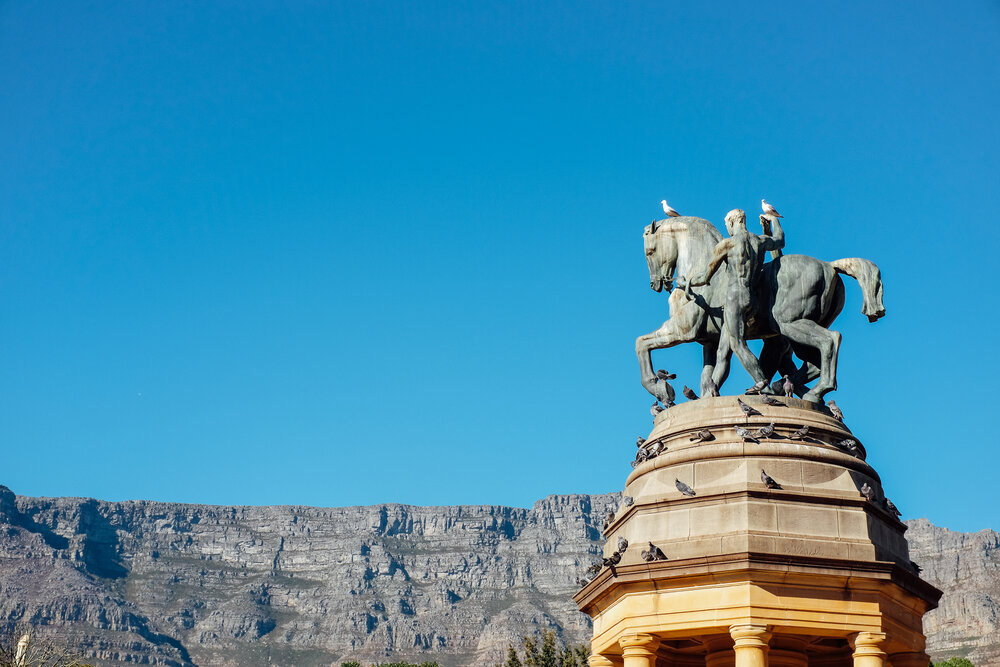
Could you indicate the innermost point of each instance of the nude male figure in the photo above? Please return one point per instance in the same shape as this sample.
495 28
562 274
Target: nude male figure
743 254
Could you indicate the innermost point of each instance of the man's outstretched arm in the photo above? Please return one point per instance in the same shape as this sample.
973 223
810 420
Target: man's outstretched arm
776 241
718 257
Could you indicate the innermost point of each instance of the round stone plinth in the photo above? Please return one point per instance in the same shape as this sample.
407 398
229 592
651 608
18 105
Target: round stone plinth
814 508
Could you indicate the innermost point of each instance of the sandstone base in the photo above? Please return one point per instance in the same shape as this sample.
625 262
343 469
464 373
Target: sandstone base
811 573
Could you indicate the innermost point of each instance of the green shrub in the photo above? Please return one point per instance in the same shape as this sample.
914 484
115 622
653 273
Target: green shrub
546 654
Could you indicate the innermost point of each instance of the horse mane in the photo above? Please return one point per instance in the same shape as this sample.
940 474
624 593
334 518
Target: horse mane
697 226
705 227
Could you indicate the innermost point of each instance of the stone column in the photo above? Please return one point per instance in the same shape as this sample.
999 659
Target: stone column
750 645
598 660
639 650
917 659
867 652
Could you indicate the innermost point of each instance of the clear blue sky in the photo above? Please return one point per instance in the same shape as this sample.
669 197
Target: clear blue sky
355 252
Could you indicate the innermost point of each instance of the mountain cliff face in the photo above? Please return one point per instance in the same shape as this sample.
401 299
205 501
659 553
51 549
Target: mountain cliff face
966 566
181 585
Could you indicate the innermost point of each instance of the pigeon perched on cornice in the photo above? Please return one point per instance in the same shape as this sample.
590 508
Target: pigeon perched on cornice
768 209
689 393
663 375
747 410
622 545
766 431
746 435
656 449
656 409
640 441
703 435
669 210
771 400
628 501
835 410
800 434
768 480
891 506
788 387
684 488
868 492
653 553
849 445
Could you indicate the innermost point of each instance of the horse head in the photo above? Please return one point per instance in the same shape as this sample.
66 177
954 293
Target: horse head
683 246
661 253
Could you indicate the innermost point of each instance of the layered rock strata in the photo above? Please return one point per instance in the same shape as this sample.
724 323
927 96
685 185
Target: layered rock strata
172 584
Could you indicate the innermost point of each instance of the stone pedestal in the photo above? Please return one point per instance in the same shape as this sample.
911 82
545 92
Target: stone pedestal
811 572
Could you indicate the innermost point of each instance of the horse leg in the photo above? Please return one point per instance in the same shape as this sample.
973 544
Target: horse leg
827 342
665 336
686 319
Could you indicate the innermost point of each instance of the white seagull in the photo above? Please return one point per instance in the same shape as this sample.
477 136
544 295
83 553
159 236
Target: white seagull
768 209
669 210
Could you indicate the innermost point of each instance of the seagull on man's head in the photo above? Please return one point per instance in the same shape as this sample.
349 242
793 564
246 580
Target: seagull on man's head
768 209
669 210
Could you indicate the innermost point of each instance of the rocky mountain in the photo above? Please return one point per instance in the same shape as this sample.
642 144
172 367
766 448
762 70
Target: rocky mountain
180 585
966 566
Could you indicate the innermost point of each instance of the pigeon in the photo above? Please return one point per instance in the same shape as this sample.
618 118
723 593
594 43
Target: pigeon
834 410
608 520
703 435
756 389
746 435
580 583
788 387
656 449
800 434
653 553
710 388
747 410
640 441
766 431
891 506
849 445
689 393
916 568
768 480
656 409
663 375
640 456
868 492
622 545
684 488
669 210
771 400
628 501
768 209
594 569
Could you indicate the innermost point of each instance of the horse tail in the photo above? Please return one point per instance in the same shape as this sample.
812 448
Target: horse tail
870 280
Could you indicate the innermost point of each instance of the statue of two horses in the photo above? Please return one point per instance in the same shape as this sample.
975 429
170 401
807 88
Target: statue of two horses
798 299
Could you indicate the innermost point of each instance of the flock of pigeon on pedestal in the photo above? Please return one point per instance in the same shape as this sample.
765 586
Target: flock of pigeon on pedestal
645 453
